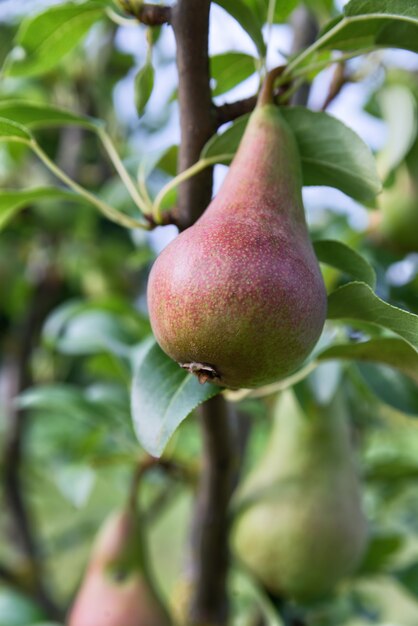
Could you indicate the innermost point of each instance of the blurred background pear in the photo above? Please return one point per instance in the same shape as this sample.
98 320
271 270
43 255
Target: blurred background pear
115 590
300 526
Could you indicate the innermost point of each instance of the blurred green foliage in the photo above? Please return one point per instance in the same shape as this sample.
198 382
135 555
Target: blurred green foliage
73 324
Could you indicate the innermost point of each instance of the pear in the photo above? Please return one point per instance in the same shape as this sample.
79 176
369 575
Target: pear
238 298
115 591
399 211
300 528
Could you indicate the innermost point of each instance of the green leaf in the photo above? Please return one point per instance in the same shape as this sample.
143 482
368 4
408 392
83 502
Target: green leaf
331 153
368 24
342 257
282 9
247 19
35 115
391 468
408 577
357 301
16 609
226 143
163 395
80 328
322 8
399 110
75 482
381 550
168 161
230 69
387 350
391 387
54 397
11 131
92 332
144 84
44 39
12 201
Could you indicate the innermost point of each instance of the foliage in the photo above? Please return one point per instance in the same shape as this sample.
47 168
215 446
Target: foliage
81 189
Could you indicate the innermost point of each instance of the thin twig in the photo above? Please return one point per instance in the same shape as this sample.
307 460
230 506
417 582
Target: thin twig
146 13
339 79
229 111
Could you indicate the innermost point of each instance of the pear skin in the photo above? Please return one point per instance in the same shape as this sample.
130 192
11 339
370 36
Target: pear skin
238 298
300 528
114 591
399 211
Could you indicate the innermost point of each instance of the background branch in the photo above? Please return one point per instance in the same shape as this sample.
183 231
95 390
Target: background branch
146 13
43 299
305 31
339 79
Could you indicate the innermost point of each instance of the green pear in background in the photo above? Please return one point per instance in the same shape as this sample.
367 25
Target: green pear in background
300 528
114 591
399 211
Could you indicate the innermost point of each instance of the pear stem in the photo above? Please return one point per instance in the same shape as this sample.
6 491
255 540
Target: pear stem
266 93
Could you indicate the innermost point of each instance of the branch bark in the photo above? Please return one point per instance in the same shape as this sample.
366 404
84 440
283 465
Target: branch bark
148 14
197 115
13 460
229 111
210 528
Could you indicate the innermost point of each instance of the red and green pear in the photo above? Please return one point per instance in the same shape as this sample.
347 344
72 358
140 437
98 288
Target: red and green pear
115 591
238 298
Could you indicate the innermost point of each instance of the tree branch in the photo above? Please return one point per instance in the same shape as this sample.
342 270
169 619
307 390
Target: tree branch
197 118
211 523
148 14
13 460
339 79
10 577
229 111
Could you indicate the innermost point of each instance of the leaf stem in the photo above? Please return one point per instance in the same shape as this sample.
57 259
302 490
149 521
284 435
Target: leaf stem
325 63
142 184
111 213
319 43
122 171
185 175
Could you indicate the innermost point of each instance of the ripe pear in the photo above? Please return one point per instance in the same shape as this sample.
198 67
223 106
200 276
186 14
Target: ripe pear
238 298
399 211
300 528
114 591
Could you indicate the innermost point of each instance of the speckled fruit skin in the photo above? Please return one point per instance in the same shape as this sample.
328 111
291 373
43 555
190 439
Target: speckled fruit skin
114 591
303 529
241 289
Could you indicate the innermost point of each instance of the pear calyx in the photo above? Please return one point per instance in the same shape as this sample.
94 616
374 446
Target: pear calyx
203 372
